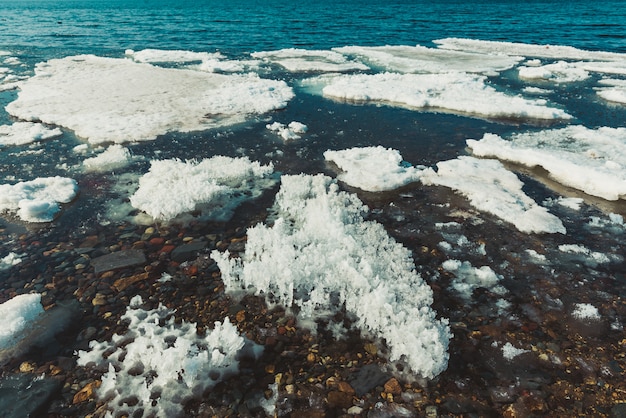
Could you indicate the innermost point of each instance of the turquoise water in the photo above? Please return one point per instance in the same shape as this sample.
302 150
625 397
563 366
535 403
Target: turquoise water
105 27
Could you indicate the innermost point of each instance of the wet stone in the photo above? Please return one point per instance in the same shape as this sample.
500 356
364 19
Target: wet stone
26 395
117 260
367 378
187 251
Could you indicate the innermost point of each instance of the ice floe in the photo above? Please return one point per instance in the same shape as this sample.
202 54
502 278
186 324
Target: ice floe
591 160
420 59
37 200
170 56
21 133
118 100
492 188
453 92
163 364
468 278
321 255
558 72
112 158
214 186
527 50
298 60
373 169
612 90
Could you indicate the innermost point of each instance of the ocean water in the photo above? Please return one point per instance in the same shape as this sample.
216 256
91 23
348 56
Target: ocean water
450 230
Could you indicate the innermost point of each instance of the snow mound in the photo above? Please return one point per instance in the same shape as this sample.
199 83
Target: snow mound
216 185
321 255
591 160
37 200
492 188
373 168
118 100
158 365
114 157
21 133
454 92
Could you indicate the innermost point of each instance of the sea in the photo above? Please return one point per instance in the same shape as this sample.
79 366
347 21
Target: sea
545 276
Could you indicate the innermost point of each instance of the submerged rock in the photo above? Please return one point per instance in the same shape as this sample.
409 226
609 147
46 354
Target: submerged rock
26 395
117 260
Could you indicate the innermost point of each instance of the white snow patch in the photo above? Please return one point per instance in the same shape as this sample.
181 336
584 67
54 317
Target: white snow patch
37 200
592 257
21 133
113 158
419 59
320 254
492 188
118 100
373 168
163 364
216 185
298 60
509 352
591 160
584 311
454 92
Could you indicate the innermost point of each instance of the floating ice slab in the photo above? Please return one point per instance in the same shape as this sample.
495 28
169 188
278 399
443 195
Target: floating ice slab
288 132
118 100
558 72
373 168
453 92
174 187
21 133
112 158
527 50
468 278
37 200
613 90
419 59
492 188
321 255
163 364
302 60
170 56
591 160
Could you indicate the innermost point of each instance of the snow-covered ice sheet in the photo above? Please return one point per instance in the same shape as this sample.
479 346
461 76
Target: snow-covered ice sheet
492 188
558 72
420 59
298 60
37 200
217 185
453 92
373 169
21 133
591 160
320 254
118 100
170 56
613 90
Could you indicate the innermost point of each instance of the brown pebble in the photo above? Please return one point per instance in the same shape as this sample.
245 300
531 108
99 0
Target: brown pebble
123 283
27 367
392 386
86 392
337 399
99 300
345 387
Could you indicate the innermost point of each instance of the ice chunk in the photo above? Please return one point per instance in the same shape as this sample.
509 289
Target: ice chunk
162 364
453 92
591 160
17 315
558 72
419 59
21 133
613 90
113 158
298 60
173 187
118 100
37 200
492 188
288 132
509 352
468 278
9 260
373 168
585 311
591 258
170 56
321 255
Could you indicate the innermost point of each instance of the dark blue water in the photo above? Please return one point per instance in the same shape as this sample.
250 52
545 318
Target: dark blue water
108 27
